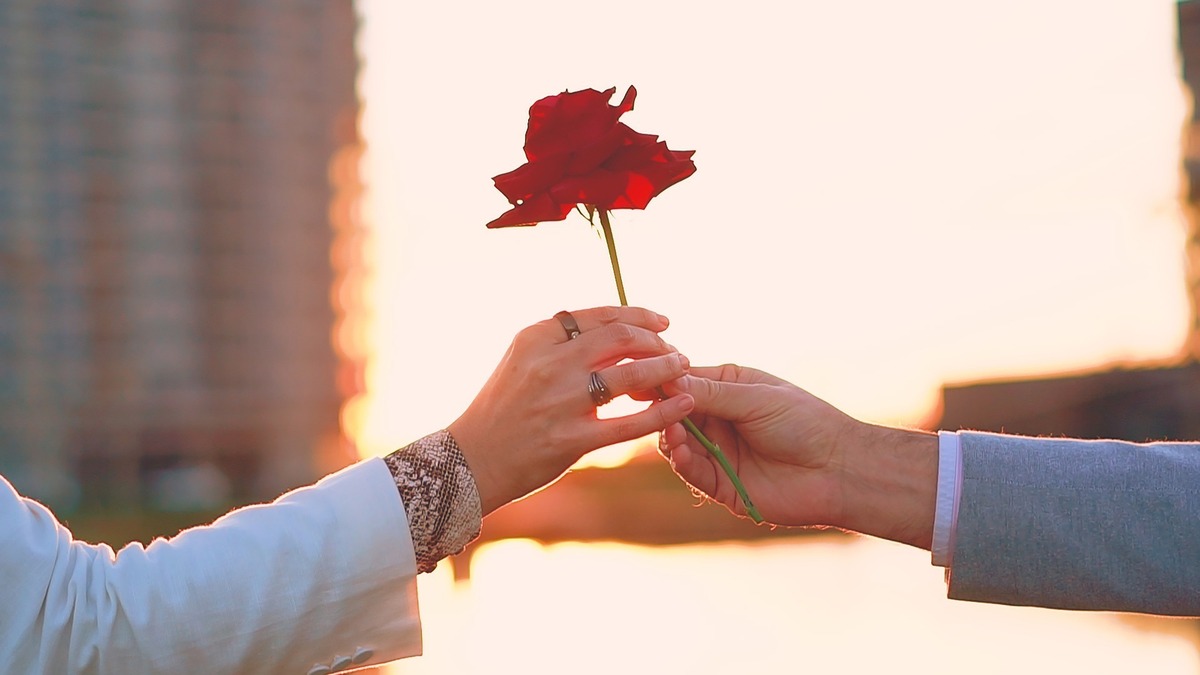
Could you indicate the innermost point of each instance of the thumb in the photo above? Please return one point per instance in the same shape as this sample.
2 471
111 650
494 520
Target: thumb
727 400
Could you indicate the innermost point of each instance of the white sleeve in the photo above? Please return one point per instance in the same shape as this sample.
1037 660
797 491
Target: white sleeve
949 489
325 576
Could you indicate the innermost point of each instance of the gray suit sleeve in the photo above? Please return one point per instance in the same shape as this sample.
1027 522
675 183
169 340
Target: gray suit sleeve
1070 524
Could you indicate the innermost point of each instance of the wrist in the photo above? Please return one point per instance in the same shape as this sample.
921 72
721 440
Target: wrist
491 489
889 485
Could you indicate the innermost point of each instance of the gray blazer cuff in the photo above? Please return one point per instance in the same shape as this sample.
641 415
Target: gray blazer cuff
1102 525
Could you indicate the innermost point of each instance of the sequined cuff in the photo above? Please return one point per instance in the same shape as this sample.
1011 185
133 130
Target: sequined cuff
440 497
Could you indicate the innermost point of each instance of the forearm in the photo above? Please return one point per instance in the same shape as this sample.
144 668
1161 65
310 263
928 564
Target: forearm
272 588
889 483
284 585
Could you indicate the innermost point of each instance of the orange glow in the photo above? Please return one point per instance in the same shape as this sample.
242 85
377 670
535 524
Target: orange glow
348 294
353 415
824 606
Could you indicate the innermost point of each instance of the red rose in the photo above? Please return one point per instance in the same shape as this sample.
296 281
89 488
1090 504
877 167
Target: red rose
580 153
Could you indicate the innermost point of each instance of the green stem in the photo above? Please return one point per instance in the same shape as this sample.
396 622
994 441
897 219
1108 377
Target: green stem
612 255
715 450
712 448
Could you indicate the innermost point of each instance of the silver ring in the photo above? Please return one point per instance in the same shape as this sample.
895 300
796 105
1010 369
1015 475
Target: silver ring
568 323
598 390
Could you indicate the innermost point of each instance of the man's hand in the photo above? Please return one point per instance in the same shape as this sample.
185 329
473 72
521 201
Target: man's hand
803 461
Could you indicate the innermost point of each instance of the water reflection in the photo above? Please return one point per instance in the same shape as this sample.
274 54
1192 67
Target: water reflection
822 605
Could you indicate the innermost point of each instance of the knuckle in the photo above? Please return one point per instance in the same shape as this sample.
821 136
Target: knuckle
622 335
609 314
525 338
541 370
628 376
674 366
544 371
627 429
559 439
730 372
644 317
659 416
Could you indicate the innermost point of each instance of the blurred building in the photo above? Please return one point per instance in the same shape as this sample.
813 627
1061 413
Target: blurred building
1133 404
1145 403
179 246
1188 13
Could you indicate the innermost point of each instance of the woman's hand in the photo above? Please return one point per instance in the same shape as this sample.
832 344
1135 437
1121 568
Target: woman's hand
535 417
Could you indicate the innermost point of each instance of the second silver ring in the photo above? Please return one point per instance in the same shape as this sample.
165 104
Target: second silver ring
598 390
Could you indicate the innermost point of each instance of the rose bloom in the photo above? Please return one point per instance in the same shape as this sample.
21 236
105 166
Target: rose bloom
579 152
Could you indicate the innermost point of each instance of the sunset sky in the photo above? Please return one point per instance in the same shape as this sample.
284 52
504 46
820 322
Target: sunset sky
889 196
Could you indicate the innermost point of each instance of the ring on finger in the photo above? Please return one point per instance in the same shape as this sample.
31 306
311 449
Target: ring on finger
598 390
569 324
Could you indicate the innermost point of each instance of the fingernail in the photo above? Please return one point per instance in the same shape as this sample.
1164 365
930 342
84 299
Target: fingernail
684 362
663 319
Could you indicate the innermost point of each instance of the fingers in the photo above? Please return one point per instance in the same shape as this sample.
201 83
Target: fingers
698 472
596 317
644 375
559 327
614 342
704 475
731 372
727 400
672 437
658 416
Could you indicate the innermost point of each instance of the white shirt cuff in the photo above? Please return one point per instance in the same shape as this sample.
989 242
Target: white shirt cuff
949 488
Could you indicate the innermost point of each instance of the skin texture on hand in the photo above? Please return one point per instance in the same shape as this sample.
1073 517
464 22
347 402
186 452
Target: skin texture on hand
534 417
803 461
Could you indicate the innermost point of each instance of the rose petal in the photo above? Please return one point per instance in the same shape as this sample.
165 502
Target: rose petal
660 177
540 209
600 188
638 150
530 178
569 121
638 192
580 153
586 160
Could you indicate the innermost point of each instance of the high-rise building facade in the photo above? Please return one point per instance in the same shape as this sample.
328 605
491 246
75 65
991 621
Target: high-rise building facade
178 187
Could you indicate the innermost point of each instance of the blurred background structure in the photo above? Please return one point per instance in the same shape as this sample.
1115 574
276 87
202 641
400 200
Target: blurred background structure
1189 62
173 178
1137 402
